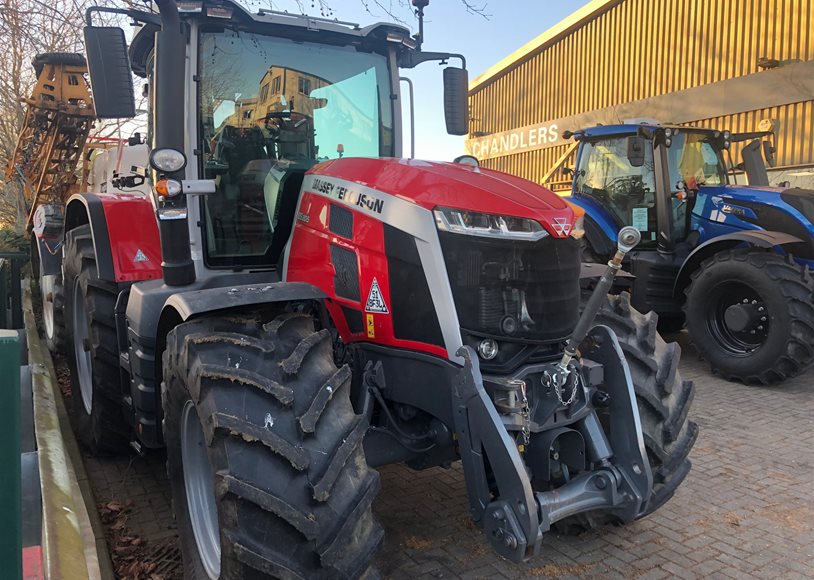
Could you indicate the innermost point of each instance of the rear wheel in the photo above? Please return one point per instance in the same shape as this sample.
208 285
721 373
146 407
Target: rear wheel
663 399
750 314
92 349
52 293
264 452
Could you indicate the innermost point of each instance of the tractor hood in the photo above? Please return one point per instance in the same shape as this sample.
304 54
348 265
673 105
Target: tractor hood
431 184
790 211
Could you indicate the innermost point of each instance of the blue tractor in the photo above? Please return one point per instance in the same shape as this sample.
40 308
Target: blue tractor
731 261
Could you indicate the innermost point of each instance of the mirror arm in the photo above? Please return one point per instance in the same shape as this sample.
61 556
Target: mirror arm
137 15
415 58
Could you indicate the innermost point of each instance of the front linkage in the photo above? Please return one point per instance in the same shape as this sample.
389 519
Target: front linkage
514 515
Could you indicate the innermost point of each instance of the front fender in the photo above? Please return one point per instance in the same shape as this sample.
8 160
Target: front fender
124 231
758 238
188 304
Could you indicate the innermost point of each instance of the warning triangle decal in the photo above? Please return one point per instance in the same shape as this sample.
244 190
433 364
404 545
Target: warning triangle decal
375 300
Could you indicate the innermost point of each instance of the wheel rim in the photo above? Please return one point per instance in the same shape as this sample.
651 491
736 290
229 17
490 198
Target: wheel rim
200 490
47 284
737 317
81 346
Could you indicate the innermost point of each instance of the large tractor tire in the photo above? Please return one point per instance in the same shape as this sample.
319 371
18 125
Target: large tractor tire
264 452
750 314
663 399
52 296
92 349
52 293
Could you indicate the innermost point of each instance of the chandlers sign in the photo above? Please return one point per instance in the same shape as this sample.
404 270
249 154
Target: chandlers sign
526 138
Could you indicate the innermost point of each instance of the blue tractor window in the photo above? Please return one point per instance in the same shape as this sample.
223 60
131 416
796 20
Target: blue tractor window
628 192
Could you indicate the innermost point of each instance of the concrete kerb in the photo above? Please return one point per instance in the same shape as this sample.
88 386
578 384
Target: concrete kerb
73 538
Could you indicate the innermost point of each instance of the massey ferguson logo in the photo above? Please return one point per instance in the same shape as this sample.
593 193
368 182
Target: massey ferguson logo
348 195
561 226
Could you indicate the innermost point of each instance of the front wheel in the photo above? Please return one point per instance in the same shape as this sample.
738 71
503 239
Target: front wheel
264 452
663 399
750 314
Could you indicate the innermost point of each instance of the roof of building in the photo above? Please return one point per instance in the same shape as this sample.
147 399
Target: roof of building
550 36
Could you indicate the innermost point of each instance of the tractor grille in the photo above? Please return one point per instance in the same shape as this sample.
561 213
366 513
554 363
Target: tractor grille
514 289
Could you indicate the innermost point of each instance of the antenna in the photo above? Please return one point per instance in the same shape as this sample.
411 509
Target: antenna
419 6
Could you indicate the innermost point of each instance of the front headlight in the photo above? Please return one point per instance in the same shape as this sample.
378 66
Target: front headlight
488 225
167 160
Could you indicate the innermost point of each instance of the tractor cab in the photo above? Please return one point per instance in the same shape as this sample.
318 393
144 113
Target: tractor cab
648 176
252 101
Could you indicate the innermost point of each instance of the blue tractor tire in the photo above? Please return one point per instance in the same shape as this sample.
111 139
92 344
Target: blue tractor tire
750 314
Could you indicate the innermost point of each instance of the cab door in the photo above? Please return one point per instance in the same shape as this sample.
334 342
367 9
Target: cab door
617 174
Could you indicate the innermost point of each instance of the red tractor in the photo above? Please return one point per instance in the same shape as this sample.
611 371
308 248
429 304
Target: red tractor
393 310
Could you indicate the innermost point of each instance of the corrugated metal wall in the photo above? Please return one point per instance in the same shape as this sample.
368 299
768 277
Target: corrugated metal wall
635 49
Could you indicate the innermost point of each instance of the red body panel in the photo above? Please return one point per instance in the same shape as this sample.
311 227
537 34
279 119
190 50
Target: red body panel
310 261
417 187
134 241
432 184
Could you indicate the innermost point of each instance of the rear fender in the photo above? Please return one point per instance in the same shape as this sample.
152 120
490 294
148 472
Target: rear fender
757 238
124 231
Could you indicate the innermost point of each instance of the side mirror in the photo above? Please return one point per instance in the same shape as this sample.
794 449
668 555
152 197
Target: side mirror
456 106
635 151
566 171
109 66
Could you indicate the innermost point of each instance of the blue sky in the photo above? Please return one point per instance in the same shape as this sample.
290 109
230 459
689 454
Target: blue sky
448 27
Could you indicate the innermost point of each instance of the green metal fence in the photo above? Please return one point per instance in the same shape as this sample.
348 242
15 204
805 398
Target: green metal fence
11 318
11 295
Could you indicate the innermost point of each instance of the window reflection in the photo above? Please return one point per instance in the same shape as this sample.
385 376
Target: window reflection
271 109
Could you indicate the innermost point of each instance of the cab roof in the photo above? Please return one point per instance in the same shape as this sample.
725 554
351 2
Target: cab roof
625 129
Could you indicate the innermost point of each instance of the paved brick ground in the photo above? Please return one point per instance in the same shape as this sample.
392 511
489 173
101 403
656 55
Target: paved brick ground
745 511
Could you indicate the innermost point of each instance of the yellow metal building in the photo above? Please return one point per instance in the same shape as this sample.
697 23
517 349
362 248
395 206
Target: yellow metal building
742 65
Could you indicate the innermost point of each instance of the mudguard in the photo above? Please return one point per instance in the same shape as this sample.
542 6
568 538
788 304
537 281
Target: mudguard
124 231
759 238
188 304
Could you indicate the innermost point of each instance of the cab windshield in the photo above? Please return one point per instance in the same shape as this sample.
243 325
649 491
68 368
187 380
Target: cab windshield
270 109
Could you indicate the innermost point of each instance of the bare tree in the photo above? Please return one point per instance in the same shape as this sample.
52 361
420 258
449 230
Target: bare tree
28 28
400 11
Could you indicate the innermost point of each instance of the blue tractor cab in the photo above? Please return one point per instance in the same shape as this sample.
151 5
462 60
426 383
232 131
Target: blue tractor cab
730 260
